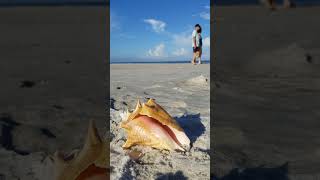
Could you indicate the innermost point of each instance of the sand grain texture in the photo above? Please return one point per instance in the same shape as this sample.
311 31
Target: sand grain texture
266 103
183 91
52 84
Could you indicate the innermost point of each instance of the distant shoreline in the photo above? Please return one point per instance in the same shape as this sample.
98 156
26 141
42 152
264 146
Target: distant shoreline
23 4
158 62
298 3
301 3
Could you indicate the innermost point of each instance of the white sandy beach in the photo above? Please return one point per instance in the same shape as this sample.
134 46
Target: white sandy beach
59 52
183 90
267 96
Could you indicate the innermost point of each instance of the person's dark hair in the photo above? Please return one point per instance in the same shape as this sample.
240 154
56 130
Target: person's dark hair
198 25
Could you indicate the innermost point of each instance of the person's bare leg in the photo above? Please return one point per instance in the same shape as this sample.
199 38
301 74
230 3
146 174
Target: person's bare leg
199 55
193 61
287 4
199 62
269 4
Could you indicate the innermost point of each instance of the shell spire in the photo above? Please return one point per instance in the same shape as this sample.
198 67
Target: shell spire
90 161
138 106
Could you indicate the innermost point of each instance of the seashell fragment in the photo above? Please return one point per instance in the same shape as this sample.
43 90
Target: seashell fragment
90 163
150 125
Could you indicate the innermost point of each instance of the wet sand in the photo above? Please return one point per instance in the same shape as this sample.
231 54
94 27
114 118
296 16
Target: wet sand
267 98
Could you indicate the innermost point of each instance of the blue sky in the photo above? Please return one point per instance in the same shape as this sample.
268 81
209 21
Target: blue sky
157 29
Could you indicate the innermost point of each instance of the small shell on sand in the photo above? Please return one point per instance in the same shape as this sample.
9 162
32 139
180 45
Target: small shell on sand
135 155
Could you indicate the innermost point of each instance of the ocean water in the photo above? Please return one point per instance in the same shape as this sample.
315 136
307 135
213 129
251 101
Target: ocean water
254 2
104 2
52 2
155 62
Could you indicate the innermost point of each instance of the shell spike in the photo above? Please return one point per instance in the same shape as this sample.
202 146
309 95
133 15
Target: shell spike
125 115
150 101
128 144
93 137
138 106
58 159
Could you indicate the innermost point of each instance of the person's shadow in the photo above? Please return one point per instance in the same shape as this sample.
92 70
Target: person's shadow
260 173
192 125
170 176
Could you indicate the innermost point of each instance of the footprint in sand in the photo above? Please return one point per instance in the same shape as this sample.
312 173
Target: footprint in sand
178 104
154 86
198 81
27 84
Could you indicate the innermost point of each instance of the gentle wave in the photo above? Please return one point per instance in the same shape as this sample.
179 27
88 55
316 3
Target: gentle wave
157 62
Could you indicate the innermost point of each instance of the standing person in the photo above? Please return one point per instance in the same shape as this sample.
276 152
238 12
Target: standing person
199 37
272 4
196 44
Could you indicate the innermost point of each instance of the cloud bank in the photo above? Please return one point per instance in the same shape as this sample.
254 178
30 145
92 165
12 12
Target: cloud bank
157 25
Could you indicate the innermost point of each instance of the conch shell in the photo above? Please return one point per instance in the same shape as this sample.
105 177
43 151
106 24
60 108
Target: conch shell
150 125
89 164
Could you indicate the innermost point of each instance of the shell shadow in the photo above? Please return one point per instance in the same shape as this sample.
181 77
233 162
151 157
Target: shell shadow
127 174
170 176
192 125
261 173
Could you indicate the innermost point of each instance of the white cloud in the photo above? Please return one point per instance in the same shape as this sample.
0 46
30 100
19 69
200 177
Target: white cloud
157 51
206 42
205 15
206 48
114 22
182 39
157 26
180 52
